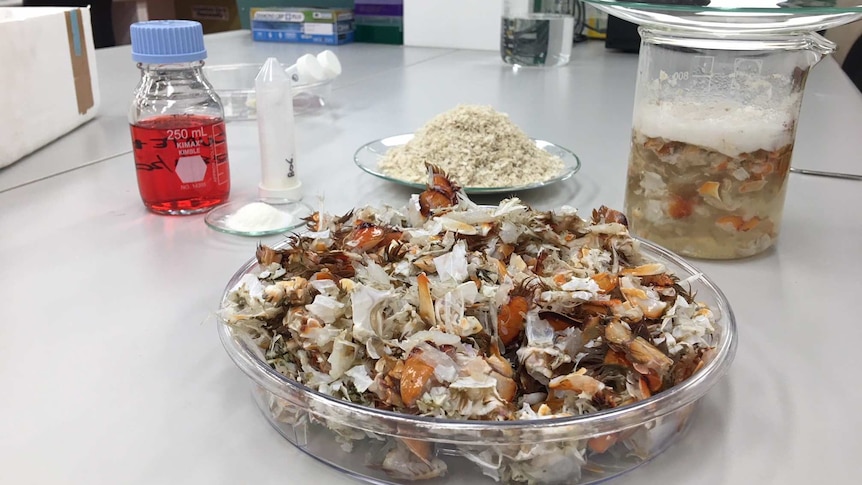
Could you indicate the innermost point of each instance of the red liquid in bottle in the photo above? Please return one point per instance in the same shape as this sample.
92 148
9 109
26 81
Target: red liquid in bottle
181 162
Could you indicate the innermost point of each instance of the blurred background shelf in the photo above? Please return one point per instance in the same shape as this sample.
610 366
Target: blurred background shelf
426 23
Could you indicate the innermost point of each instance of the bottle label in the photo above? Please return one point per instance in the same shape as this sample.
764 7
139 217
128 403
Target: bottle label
181 158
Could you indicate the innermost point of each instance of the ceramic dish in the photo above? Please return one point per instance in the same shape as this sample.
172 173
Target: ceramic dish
369 155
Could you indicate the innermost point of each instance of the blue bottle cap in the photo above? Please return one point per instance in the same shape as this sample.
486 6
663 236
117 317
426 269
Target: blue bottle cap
167 41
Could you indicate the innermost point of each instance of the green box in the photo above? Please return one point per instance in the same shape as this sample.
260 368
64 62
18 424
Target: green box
384 32
245 6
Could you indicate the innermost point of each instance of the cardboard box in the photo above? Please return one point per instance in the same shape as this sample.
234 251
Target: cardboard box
303 25
214 15
49 79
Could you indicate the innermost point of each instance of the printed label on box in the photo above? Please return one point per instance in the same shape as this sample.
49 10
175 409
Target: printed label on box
318 29
290 36
321 15
300 15
272 16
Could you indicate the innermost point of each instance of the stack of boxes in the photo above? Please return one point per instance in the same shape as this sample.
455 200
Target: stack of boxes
328 26
329 22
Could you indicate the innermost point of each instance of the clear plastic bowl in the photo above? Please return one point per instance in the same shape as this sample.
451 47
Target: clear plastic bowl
234 84
317 424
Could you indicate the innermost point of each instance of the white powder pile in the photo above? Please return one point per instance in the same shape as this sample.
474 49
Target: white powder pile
257 217
477 147
729 128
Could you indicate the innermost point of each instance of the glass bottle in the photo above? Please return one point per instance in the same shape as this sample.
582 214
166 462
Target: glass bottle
177 121
713 131
537 32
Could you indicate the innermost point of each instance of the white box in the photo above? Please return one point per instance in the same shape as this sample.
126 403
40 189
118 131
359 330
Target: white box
48 79
459 24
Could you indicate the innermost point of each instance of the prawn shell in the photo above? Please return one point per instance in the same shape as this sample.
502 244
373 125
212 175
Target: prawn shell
426 304
606 281
642 352
605 214
558 321
734 223
415 378
601 444
440 191
364 237
510 320
499 364
616 332
751 186
649 269
266 255
654 381
679 207
710 189
576 382
507 388
426 264
457 227
614 357
323 274
432 199
421 449
644 388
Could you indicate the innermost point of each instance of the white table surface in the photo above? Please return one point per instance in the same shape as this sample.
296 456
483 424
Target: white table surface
111 370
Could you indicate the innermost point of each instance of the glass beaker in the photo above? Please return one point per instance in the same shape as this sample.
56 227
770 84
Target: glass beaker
712 136
537 32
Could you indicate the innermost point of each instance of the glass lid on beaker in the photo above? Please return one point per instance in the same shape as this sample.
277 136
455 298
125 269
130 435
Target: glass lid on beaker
735 16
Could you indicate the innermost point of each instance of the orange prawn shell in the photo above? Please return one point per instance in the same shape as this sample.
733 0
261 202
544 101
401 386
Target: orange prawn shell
415 378
510 319
440 191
